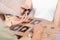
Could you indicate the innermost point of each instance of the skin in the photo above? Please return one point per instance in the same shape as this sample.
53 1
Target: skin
13 20
37 32
57 14
28 5
37 35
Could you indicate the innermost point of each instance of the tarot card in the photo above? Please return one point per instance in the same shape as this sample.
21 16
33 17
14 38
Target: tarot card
35 22
19 36
27 21
24 29
16 27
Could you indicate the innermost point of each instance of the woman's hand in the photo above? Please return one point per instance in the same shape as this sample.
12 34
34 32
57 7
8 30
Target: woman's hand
38 28
13 20
16 20
37 32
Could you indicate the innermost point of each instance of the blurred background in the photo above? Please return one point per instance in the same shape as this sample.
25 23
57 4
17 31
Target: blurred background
14 5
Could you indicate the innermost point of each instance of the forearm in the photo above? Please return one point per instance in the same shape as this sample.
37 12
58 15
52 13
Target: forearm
57 14
57 20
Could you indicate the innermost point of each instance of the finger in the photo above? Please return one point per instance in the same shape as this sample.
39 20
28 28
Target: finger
22 19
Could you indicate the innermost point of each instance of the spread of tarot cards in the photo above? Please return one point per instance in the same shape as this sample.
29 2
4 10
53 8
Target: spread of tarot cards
25 28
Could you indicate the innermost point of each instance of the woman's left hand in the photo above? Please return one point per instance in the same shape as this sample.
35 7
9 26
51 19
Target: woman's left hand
16 20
